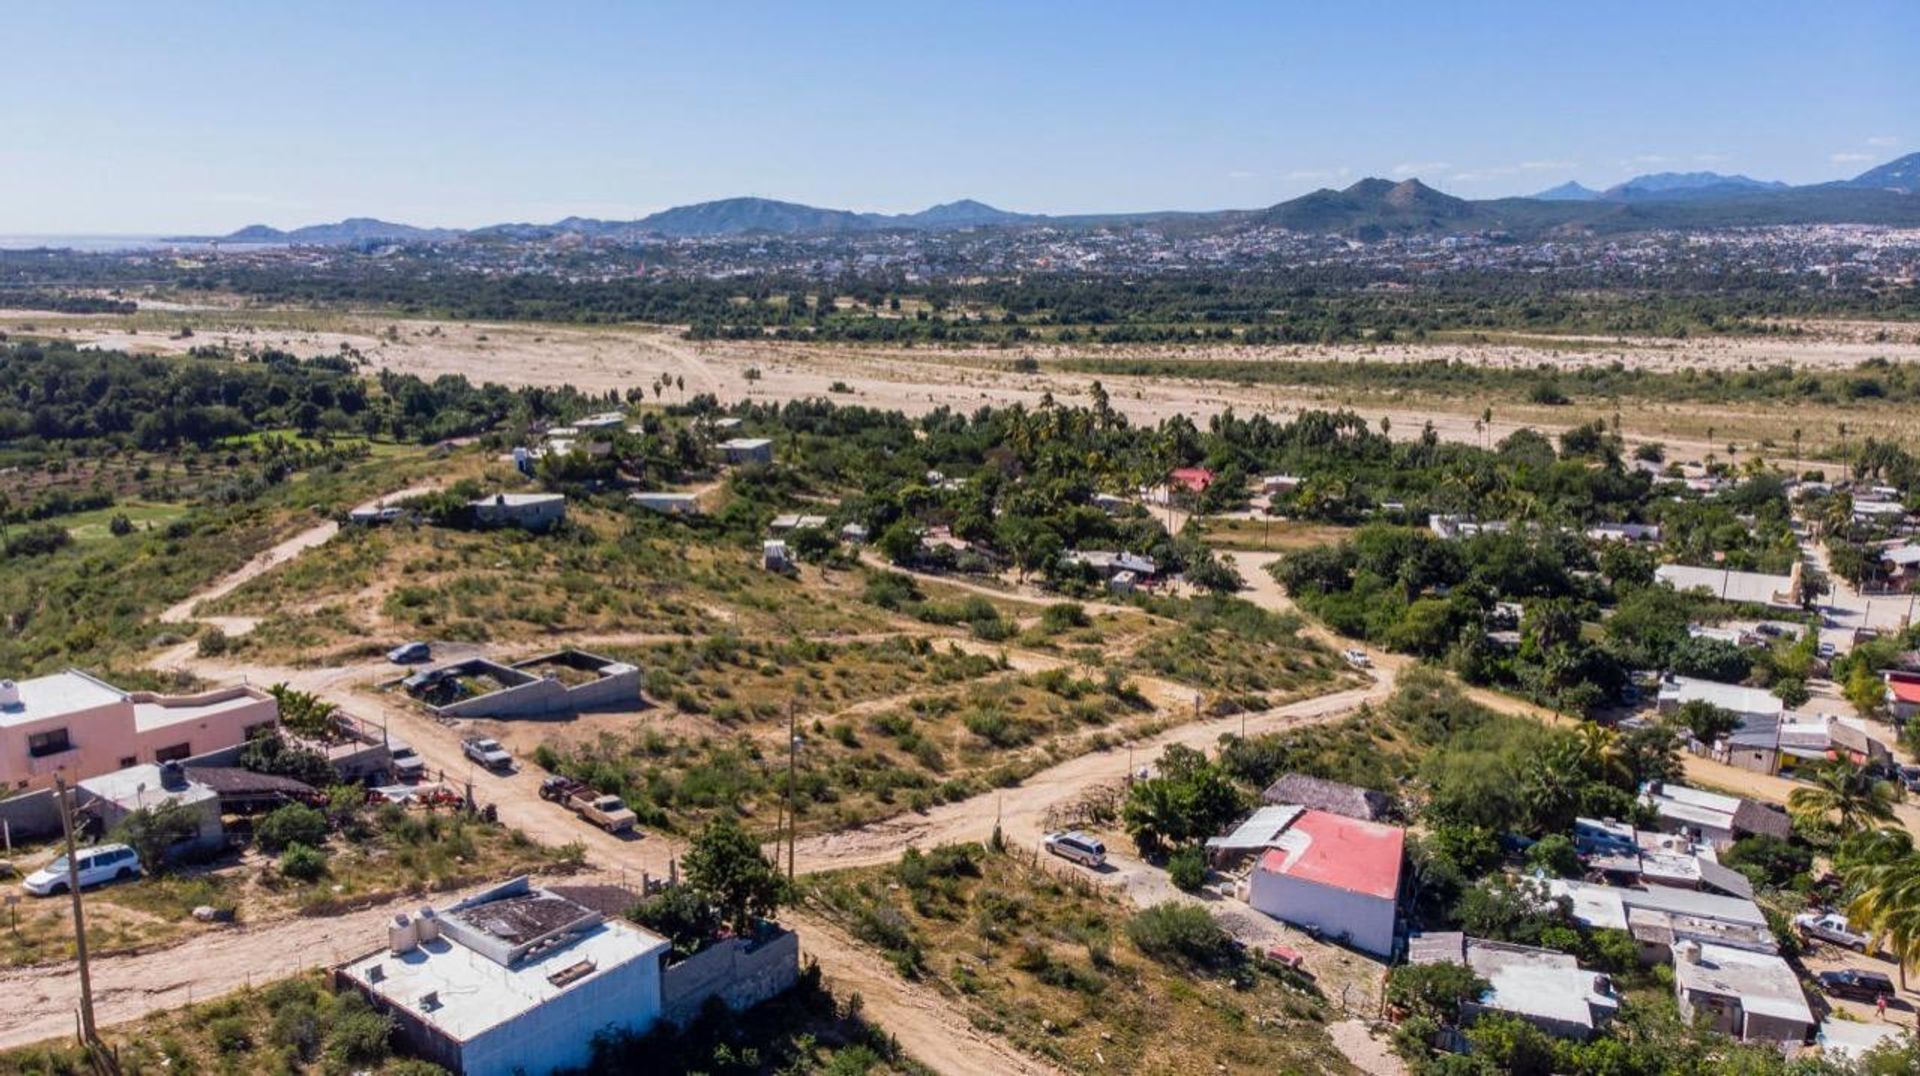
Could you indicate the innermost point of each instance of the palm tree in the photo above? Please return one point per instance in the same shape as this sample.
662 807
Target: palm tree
1844 794
1884 876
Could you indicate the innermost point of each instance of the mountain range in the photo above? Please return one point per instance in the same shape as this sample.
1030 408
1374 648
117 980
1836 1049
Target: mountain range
1370 208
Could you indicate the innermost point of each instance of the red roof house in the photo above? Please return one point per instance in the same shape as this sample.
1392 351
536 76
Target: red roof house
1191 479
1903 693
1339 876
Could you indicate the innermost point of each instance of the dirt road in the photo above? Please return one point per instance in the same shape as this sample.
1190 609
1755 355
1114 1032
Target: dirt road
312 538
41 999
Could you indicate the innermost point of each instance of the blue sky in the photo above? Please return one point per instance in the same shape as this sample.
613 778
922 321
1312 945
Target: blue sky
142 118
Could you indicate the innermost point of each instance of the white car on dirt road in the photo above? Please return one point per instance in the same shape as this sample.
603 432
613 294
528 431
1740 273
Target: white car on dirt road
1082 848
104 863
1357 658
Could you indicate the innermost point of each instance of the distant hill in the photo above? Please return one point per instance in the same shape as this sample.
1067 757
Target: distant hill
1570 191
1898 175
1677 185
1371 208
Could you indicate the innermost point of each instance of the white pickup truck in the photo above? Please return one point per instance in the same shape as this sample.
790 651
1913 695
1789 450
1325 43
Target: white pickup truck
1831 927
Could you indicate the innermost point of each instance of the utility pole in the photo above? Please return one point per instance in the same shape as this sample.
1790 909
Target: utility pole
793 757
87 1031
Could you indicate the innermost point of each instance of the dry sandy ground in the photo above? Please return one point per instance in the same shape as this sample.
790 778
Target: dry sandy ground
917 380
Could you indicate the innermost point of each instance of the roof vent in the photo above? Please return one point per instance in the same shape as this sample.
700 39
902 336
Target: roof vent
402 935
9 695
571 974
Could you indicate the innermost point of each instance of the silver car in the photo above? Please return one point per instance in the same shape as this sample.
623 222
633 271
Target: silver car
1082 848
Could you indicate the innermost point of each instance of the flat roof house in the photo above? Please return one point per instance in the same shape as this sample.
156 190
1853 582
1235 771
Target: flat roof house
515 979
1750 996
1548 989
743 450
673 504
1718 819
1336 875
80 725
111 797
1752 588
528 511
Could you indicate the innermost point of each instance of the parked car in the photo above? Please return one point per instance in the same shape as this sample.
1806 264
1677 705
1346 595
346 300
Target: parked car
406 763
1910 777
1079 847
1357 658
410 654
1827 651
1868 986
1830 927
99 864
487 752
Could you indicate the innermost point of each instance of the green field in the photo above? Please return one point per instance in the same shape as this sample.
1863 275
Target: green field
93 526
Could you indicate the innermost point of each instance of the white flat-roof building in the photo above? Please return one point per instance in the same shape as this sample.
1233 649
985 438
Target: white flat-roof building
1546 988
514 980
1747 702
528 511
740 450
673 504
1607 907
1752 588
1750 996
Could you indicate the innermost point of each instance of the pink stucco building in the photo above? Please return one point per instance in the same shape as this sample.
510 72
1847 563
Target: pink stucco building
79 725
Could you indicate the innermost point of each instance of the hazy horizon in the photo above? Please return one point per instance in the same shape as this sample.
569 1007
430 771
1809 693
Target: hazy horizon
207 119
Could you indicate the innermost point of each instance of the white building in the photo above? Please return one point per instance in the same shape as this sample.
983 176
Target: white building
1337 875
513 980
673 504
742 450
1750 996
1546 988
1748 703
1751 588
528 511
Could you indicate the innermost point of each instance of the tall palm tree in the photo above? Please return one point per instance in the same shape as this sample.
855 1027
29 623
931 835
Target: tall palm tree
1844 794
1886 906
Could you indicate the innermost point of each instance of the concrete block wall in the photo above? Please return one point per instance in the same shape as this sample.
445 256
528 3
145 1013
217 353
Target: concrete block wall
739 974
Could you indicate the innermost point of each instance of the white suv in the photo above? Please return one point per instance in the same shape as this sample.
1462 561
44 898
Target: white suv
1082 848
102 863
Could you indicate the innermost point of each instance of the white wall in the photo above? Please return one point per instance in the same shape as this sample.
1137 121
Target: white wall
559 1034
1366 921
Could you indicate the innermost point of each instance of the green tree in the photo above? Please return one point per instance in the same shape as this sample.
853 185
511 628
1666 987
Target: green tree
1845 796
1189 800
1435 991
726 863
152 831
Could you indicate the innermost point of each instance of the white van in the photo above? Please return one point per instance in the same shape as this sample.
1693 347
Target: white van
1082 848
102 863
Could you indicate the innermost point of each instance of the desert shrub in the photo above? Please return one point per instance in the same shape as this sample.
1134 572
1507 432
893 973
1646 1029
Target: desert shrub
231 1034
1187 868
303 863
295 823
1181 934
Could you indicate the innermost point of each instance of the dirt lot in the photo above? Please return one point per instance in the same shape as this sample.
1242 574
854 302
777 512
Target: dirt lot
916 380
